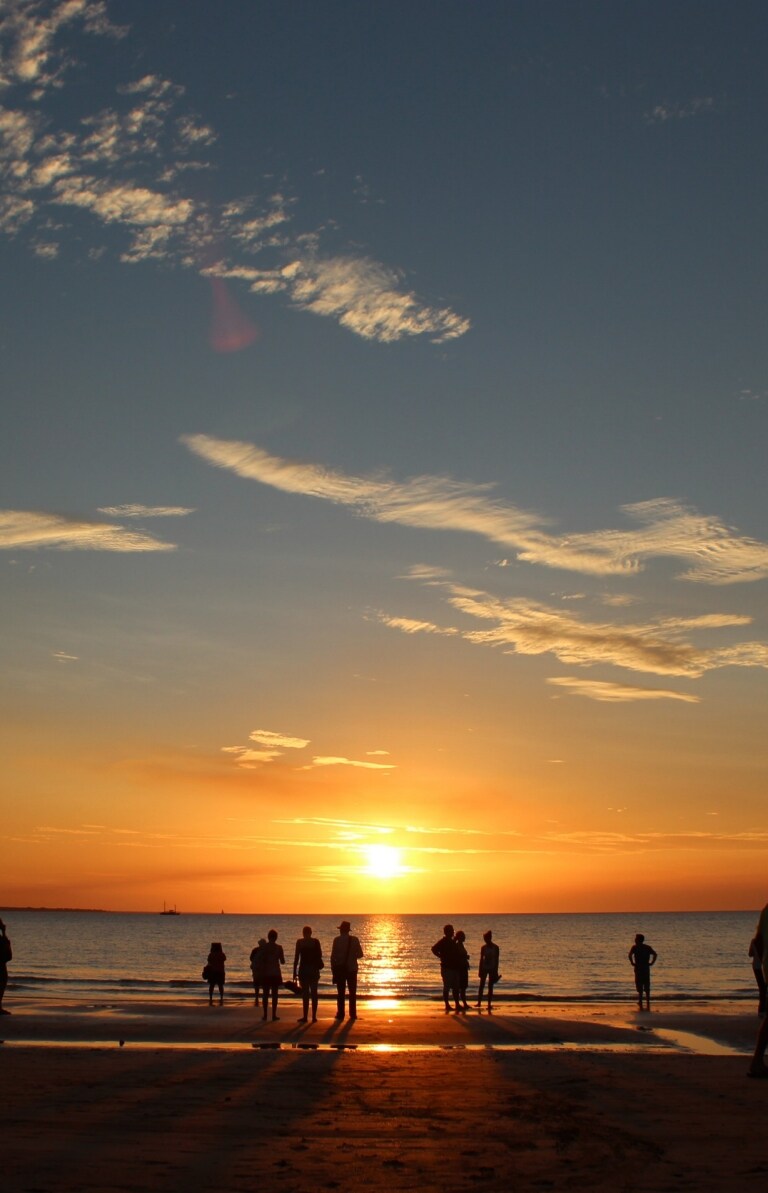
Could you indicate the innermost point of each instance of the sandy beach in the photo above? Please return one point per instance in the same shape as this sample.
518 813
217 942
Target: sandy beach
404 1098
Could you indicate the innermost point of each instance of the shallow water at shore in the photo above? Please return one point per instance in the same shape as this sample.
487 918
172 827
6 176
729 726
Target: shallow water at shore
104 956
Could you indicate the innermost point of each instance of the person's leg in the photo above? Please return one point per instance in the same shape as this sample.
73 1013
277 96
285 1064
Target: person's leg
761 987
265 999
340 984
304 1001
758 1066
352 984
221 992
210 993
313 992
275 989
446 992
3 984
480 991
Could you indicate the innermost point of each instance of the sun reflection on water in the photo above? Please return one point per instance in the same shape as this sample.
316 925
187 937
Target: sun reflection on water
385 961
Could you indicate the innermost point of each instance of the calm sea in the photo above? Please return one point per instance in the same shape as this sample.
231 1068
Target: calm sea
104 956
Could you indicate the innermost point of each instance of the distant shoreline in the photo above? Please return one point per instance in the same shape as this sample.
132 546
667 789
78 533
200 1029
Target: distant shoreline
358 915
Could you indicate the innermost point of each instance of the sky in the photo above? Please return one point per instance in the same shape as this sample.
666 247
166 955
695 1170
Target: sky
382 473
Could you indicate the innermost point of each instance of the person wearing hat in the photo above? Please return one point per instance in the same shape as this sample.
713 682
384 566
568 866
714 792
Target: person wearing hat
346 951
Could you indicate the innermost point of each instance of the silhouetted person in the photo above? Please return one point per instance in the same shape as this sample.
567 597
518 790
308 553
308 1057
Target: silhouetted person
463 956
6 955
307 963
642 957
488 969
272 974
756 955
346 951
257 969
216 972
758 1067
447 950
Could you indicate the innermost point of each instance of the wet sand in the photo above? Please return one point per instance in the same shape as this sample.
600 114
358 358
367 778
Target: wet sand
526 1099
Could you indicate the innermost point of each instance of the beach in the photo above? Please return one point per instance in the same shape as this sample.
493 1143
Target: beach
115 1097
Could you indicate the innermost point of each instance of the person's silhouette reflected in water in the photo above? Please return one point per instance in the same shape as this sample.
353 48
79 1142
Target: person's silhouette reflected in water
6 955
216 972
642 957
272 974
346 951
307 963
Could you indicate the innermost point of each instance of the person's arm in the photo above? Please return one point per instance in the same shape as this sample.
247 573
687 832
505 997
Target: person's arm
296 959
358 949
652 957
631 955
436 947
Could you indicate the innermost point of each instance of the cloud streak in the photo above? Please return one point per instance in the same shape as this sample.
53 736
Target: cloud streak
614 693
125 165
713 553
661 647
24 530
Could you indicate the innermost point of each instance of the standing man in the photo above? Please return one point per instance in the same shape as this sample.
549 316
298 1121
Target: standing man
488 969
641 958
447 950
346 951
6 954
758 1067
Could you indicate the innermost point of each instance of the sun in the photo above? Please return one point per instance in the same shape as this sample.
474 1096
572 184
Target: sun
383 861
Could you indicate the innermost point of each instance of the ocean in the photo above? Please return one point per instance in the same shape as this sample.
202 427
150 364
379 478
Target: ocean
104 957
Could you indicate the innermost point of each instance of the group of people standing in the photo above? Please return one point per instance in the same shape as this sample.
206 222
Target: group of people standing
454 968
268 957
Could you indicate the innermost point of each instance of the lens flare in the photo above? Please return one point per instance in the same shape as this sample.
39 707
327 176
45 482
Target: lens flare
231 329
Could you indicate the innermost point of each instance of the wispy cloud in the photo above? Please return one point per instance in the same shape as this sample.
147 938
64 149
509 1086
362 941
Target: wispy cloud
268 737
145 511
125 165
331 760
661 647
248 758
28 33
28 530
614 693
714 553
663 112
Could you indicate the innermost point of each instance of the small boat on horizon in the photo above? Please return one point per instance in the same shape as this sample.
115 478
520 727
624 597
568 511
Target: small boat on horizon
169 910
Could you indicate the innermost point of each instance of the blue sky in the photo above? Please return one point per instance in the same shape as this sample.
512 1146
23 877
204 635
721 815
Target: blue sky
384 431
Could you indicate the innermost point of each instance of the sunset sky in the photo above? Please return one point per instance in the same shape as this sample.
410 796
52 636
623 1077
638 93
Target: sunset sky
382 494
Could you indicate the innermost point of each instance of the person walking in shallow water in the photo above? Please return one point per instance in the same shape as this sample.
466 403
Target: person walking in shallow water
641 958
488 969
6 955
215 972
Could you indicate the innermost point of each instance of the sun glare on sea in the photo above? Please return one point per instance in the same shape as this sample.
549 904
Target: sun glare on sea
383 861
